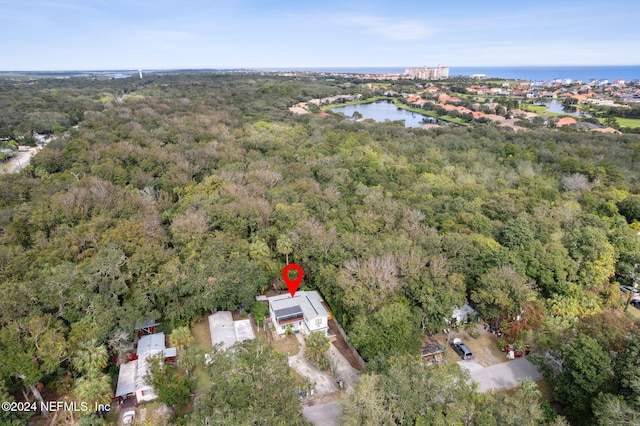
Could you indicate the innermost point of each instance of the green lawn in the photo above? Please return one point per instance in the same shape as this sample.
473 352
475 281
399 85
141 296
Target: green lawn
542 109
628 122
201 340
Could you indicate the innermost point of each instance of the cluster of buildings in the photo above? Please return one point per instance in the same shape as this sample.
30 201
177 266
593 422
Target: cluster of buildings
133 386
306 312
425 73
488 111
594 92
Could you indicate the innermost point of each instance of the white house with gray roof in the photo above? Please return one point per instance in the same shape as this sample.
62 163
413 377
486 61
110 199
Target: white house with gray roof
303 312
132 378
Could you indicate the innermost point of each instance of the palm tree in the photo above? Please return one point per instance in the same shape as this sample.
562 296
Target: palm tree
284 245
259 250
317 344
180 338
94 390
90 357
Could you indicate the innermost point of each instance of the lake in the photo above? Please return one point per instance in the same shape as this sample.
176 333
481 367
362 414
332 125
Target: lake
382 111
556 106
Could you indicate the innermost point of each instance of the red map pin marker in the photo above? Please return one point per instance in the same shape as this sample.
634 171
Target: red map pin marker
292 284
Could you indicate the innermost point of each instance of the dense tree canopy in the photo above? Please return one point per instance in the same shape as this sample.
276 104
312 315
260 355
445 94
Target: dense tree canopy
182 194
250 385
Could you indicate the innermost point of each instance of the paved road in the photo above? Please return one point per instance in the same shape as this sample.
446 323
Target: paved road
501 376
20 160
322 415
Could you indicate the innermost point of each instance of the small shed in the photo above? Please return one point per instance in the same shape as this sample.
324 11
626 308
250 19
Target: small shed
462 315
146 327
432 352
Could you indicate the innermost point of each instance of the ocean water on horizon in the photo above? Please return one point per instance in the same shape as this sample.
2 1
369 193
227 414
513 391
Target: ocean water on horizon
531 73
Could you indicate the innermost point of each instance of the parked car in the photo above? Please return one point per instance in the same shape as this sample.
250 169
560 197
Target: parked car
461 349
635 303
128 417
628 288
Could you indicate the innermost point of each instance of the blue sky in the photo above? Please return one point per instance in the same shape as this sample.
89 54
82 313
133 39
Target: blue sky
163 34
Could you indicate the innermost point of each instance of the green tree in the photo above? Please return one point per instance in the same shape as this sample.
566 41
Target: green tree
181 338
611 121
34 354
8 418
259 310
317 345
284 245
596 257
365 406
628 372
522 407
630 208
94 389
436 290
614 410
172 385
249 386
393 330
501 293
260 252
90 358
587 369
411 392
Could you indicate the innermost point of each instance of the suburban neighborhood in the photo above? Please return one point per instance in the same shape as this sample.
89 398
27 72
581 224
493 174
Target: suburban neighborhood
517 105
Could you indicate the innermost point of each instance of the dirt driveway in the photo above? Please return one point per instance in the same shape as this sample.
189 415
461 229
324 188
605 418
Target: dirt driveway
324 382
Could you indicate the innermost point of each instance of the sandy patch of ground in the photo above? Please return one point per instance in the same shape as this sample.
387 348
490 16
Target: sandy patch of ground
20 160
324 383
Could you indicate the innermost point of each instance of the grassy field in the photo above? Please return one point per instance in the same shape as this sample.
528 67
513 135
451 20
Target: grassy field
542 109
628 122
201 340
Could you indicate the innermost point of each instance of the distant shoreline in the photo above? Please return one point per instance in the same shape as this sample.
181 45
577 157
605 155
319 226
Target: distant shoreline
528 73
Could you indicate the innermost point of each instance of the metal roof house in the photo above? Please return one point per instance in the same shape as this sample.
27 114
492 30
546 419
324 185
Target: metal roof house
461 315
303 312
132 376
226 331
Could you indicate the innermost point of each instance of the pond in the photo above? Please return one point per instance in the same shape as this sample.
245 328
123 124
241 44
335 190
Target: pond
382 111
556 106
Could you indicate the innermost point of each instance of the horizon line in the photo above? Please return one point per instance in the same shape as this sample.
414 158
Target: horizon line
299 67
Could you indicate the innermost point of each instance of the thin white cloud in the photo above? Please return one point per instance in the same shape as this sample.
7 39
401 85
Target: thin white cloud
389 28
